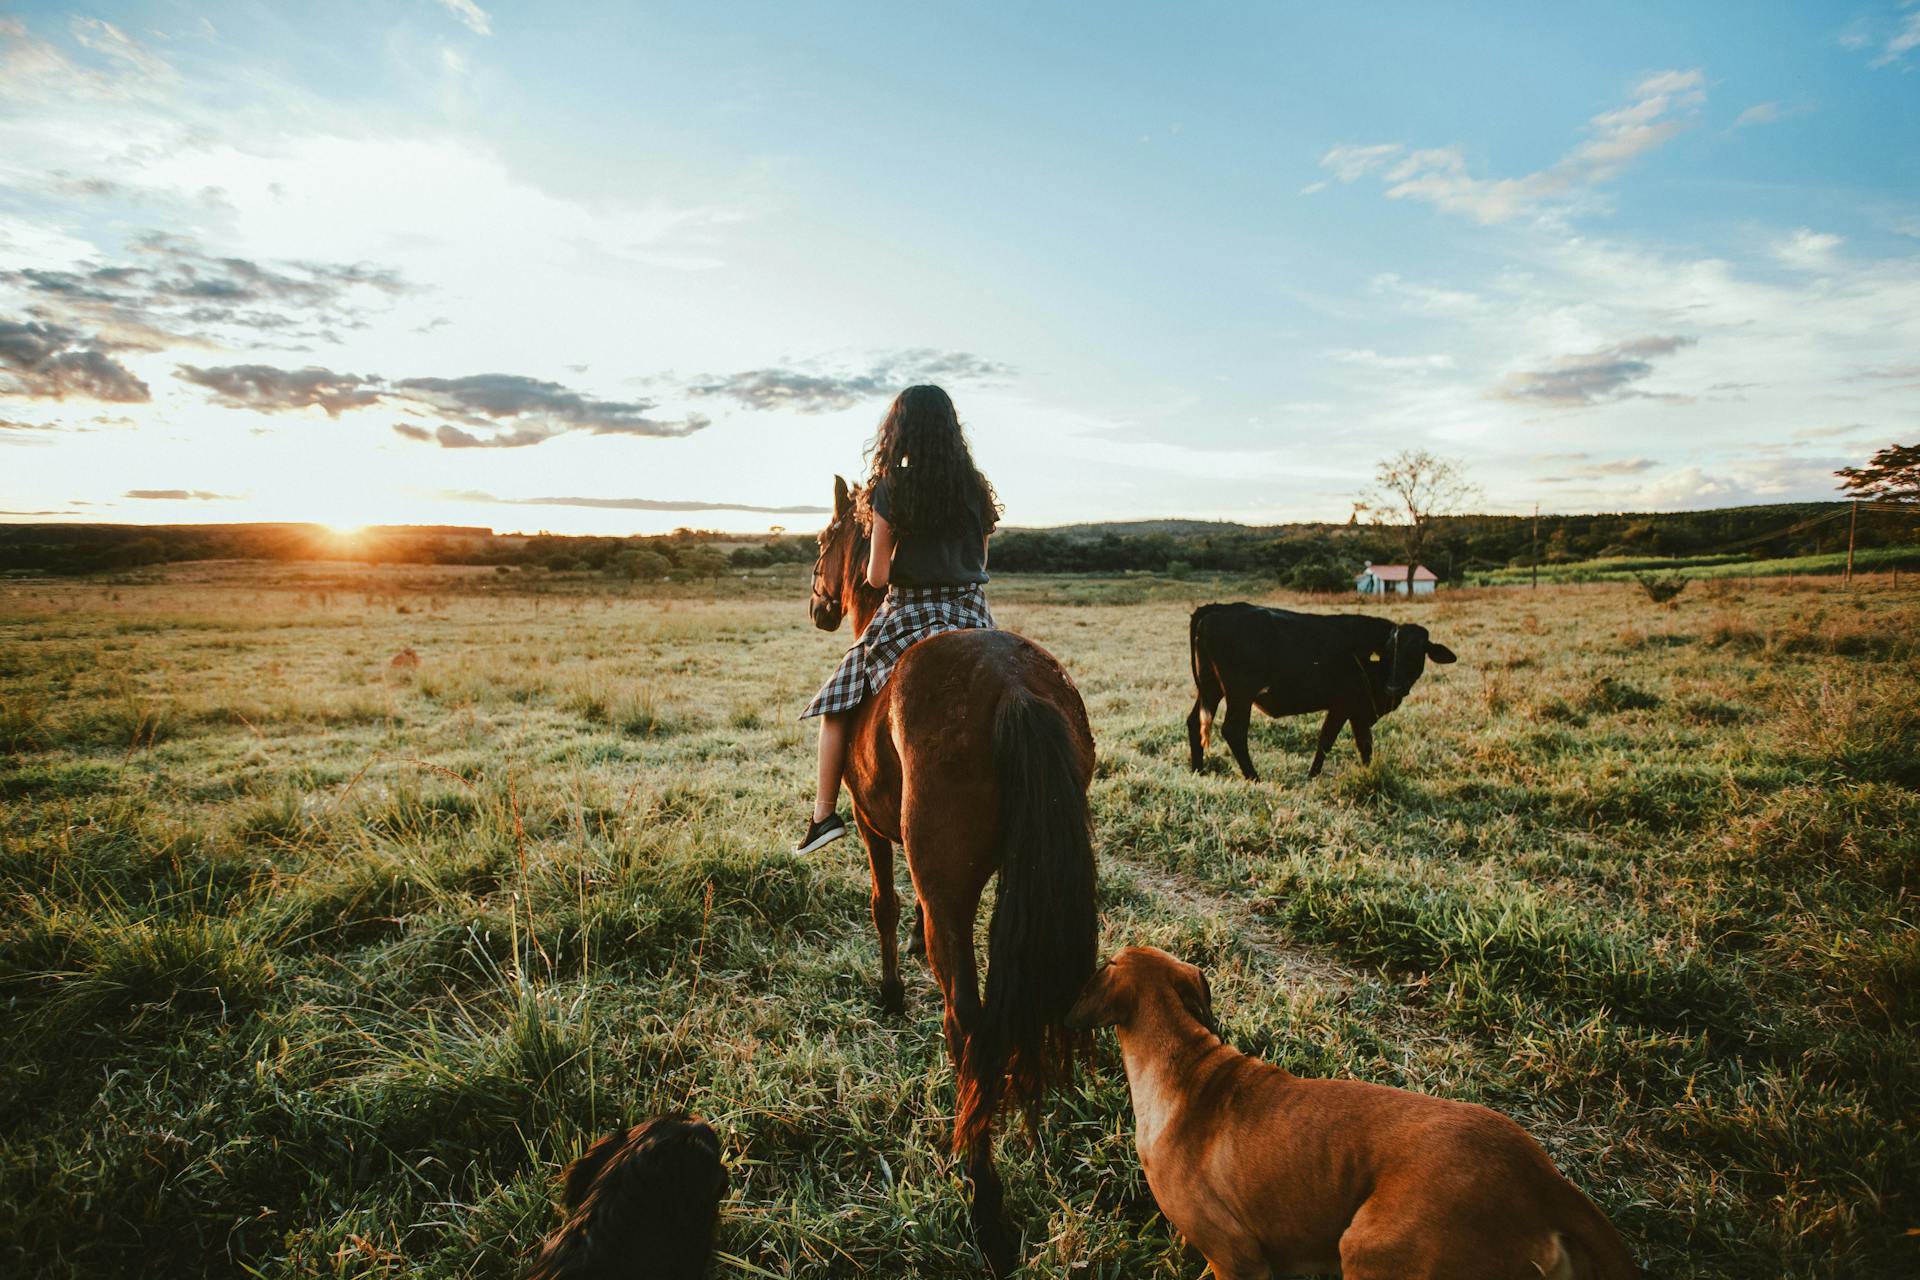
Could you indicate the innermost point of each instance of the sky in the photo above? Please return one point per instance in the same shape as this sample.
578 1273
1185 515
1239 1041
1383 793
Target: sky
617 268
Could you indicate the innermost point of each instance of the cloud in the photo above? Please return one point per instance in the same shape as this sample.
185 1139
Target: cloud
1829 433
448 436
481 411
44 361
1808 250
172 290
633 504
476 19
180 495
1594 377
271 390
1903 41
1900 371
518 410
791 389
801 391
1687 487
1440 177
1349 162
114 45
1758 113
1600 470
35 70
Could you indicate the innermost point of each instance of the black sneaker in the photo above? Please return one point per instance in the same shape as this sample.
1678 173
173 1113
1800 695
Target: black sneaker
824 832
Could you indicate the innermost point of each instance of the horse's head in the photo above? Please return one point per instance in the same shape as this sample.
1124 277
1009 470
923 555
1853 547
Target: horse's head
840 573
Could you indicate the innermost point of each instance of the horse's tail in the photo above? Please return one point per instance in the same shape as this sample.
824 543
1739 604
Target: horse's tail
1040 946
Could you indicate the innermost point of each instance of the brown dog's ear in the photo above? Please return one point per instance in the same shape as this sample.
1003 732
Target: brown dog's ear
1196 998
842 498
580 1175
1100 1001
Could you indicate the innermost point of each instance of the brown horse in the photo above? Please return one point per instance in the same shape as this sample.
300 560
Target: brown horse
975 756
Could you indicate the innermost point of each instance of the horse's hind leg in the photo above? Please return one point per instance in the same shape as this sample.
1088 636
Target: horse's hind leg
997 1239
950 956
886 917
950 952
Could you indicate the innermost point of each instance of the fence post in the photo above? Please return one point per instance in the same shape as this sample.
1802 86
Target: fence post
1853 521
1536 546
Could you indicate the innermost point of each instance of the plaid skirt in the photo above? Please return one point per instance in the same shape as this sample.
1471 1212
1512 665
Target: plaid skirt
907 616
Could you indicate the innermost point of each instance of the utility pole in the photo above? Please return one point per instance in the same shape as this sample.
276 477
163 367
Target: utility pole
1853 522
1536 546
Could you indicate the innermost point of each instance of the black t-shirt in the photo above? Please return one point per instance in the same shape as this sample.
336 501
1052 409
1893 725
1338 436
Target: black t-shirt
954 557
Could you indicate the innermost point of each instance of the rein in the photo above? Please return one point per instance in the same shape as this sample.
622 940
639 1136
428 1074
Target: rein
847 599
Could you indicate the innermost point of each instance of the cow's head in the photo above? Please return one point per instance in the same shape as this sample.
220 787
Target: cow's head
1406 658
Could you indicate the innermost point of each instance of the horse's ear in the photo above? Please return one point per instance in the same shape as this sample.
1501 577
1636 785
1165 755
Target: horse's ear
842 498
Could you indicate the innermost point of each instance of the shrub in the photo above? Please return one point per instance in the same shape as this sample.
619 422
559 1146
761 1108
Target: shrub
1661 587
1319 575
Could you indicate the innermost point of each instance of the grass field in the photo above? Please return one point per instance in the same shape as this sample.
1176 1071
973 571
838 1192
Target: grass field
1887 560
316 966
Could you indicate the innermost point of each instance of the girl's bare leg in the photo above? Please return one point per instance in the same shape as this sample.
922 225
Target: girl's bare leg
833 759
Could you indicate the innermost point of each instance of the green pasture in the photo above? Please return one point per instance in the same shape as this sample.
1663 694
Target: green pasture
314 965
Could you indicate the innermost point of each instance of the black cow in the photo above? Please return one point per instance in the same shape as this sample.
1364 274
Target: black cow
1353 667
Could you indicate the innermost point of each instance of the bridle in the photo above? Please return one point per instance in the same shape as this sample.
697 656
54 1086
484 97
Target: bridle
822 598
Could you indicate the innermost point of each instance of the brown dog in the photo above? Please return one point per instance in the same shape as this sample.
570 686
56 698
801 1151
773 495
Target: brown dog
1270 1175
640 1203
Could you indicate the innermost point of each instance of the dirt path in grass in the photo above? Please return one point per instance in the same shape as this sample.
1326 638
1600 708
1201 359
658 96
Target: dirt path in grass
1275 956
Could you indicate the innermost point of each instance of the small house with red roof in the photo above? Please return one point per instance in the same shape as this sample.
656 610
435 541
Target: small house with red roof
1391 579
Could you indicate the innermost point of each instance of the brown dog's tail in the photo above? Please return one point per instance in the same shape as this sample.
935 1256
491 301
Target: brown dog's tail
1040 945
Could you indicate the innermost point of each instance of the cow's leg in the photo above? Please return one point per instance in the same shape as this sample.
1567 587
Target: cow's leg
1199 729
1363 738
1206 699
1329 730
1234 730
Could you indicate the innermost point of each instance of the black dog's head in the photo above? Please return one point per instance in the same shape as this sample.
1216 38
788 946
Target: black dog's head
640 1202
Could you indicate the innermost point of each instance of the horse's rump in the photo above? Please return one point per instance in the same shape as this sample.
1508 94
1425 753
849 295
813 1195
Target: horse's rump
946 690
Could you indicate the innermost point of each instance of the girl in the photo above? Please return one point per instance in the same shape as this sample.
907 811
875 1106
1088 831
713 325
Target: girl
932 513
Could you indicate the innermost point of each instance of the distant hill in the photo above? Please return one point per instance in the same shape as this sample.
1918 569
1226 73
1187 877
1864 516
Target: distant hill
1142 528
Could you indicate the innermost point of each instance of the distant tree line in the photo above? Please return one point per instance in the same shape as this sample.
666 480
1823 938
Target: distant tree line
683 554
1325 557
1318 557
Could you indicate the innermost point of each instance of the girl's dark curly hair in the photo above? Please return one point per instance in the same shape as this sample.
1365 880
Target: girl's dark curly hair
921 447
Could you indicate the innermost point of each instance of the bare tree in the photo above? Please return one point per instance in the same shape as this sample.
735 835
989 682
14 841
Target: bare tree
1414 486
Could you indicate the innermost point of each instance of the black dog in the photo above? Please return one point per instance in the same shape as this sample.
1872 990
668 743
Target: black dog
640 1203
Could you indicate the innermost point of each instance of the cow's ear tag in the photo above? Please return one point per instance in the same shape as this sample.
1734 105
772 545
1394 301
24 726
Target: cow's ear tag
1373 657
